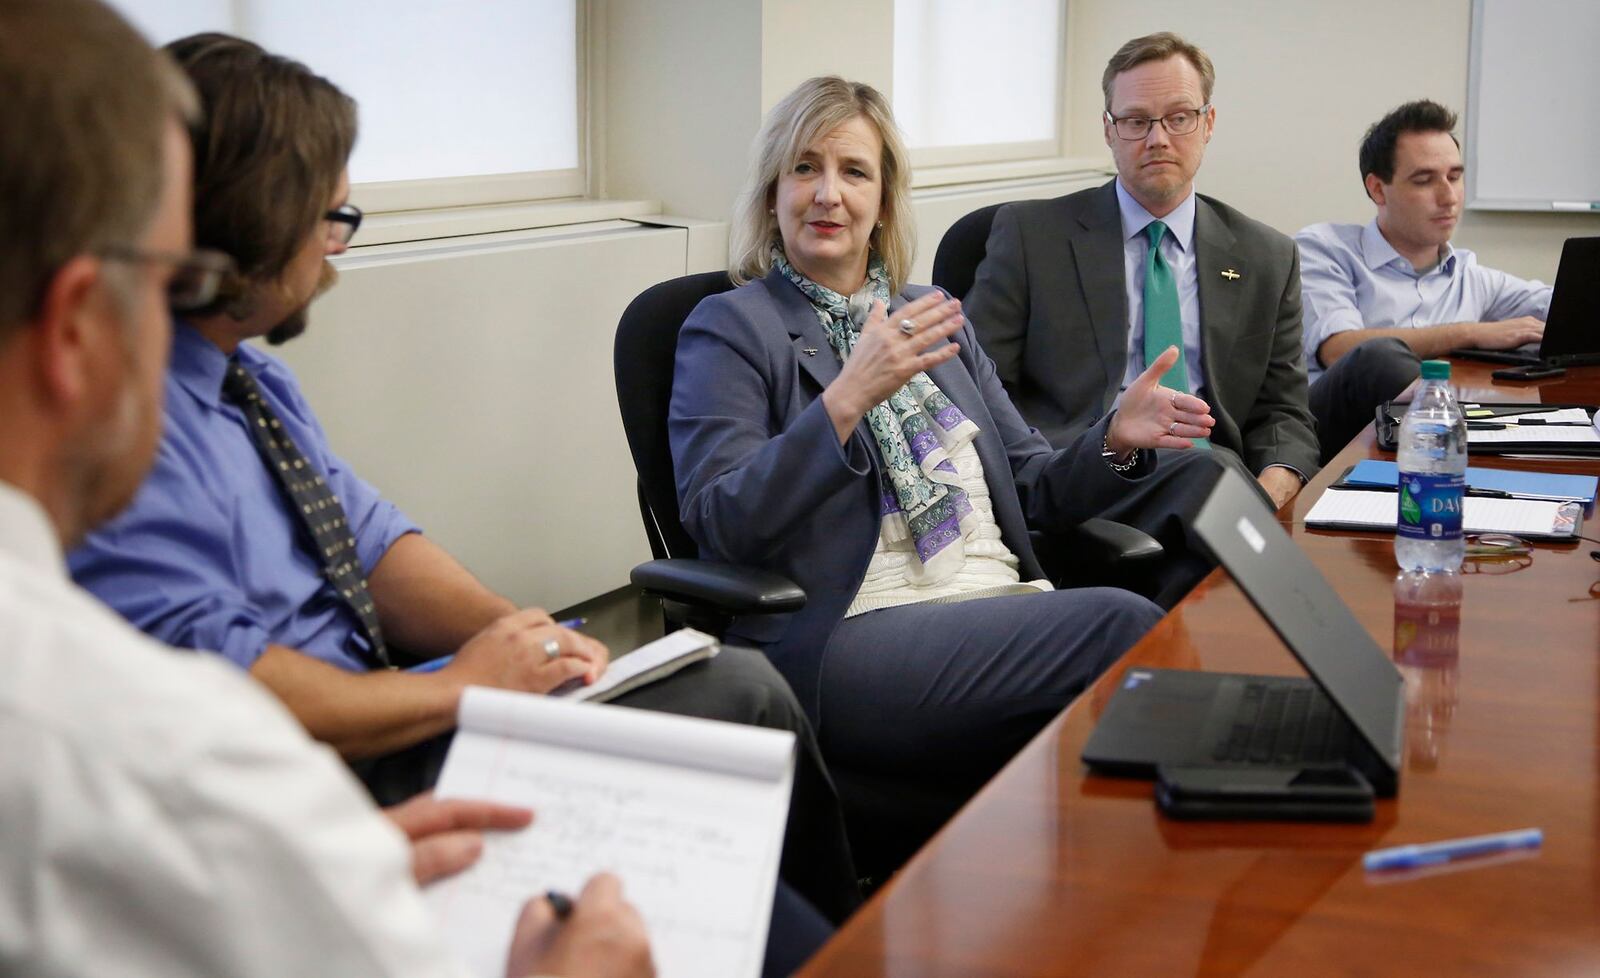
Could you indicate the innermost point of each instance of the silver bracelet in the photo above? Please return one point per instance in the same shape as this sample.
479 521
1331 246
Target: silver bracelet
1111 456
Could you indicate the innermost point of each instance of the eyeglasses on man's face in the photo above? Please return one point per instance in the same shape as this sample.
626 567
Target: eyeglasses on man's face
342 223
1179 123
196 276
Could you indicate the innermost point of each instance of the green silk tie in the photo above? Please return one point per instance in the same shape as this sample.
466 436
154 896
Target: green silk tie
1163 323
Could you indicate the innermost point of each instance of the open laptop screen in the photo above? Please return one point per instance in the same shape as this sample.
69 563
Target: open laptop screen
1572 327
1306 613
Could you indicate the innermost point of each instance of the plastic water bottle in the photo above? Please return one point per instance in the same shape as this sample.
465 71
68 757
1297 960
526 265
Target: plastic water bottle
1433 467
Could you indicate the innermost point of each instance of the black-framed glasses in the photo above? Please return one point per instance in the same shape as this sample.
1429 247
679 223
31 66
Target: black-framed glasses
343 221
1179 123
196 276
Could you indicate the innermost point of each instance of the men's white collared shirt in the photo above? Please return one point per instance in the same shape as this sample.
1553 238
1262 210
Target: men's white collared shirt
161 815
1177 247
1352 278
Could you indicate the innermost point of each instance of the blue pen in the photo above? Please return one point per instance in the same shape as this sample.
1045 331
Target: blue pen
434 665
1433 853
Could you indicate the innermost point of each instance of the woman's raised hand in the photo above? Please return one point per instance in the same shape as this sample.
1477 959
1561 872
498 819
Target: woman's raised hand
887 354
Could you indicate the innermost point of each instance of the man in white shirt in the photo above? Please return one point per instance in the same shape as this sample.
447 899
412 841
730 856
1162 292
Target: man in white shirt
1383 296
162 814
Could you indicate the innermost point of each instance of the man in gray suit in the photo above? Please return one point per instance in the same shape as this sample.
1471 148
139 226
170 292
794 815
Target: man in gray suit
1073 303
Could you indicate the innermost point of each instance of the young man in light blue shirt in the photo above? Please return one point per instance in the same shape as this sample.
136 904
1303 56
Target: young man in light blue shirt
1381 297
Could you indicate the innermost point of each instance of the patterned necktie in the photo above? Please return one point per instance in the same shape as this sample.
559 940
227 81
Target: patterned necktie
320 514
1163 323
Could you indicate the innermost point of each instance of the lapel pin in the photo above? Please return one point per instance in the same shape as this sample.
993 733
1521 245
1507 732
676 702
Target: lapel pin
809 351
1229 274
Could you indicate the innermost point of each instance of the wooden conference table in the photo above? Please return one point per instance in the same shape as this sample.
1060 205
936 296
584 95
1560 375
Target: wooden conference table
1052 871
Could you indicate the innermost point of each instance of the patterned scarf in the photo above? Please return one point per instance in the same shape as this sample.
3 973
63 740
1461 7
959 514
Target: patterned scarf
917 429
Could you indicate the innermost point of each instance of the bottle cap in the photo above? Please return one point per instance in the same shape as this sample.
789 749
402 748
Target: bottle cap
1435 370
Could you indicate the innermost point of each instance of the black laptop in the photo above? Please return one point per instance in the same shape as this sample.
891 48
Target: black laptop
1349 715
1572 327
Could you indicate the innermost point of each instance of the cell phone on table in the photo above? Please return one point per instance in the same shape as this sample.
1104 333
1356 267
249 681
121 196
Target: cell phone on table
1314 794
1532 371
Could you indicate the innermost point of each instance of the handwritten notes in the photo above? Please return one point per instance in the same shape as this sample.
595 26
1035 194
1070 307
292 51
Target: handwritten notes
689 813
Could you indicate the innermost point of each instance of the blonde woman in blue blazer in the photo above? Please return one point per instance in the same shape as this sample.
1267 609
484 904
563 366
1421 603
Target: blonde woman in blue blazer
835 425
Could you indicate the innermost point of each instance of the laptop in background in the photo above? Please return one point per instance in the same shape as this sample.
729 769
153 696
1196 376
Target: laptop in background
1572 327
1350 713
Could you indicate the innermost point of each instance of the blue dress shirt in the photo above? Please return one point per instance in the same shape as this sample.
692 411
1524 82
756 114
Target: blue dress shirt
1177 247
209 555
1352 278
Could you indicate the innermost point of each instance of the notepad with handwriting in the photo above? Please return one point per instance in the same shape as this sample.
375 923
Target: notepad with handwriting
689 813
1357 509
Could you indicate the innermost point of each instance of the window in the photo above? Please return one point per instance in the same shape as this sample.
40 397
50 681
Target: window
957 99
461 103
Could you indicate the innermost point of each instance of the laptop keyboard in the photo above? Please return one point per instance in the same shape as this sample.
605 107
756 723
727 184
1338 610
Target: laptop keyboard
1283 724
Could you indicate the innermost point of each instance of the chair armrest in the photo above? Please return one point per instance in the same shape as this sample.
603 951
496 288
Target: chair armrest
1116 543
724 587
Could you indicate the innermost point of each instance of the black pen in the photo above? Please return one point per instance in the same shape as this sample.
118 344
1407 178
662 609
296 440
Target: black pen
560 903
1531 422
1369 487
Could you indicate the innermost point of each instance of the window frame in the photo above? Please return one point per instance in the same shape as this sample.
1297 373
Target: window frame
933 158
436 193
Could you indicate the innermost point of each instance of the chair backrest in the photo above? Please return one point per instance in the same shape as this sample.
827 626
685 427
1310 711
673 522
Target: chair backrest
961 251
646 346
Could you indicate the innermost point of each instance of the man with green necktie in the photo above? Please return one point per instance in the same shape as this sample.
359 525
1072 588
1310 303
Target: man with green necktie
1080 295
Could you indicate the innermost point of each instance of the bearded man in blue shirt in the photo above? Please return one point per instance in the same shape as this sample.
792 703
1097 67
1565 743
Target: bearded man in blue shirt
251 538
1381 297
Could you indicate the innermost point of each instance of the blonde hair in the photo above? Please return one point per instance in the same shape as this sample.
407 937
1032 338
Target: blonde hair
814 109
1158 47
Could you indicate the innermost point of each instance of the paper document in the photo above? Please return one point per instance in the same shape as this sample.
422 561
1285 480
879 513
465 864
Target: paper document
1584 434
1563 416
1362 509
689 813
643 665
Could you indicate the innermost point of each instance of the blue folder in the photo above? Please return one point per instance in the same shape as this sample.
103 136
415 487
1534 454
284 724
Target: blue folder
1522 485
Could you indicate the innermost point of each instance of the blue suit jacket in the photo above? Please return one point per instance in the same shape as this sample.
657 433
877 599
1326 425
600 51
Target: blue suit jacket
763 481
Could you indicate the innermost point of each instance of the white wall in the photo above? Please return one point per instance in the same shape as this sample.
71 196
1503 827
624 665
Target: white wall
470 380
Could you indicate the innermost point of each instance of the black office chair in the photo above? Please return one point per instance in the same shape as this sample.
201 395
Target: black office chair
694 592
1102 552
962 250
888 817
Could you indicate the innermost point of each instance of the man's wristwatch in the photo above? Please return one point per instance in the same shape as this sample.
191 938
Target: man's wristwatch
1111 456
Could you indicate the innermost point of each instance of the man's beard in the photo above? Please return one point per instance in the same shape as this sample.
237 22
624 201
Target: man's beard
295 323
292 326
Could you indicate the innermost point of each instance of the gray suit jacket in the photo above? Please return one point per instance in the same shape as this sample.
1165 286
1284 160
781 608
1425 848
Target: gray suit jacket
1050 306
763 480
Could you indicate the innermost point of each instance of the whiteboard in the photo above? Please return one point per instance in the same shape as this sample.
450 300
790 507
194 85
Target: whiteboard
1533 106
